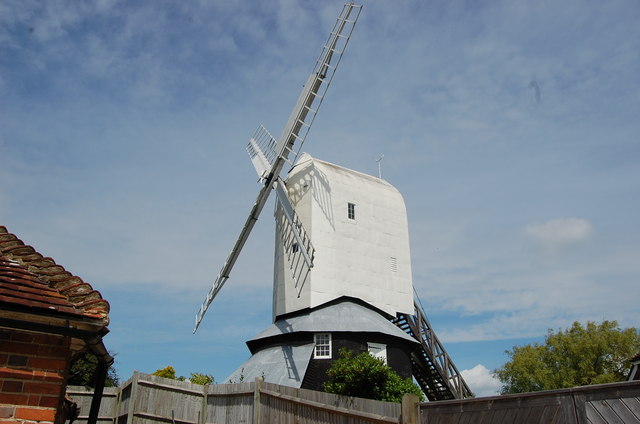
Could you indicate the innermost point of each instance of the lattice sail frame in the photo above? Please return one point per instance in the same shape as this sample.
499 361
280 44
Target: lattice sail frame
269 158
299 250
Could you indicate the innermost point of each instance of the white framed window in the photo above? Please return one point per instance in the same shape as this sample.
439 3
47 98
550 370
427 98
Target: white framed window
378 350
351 210
323 346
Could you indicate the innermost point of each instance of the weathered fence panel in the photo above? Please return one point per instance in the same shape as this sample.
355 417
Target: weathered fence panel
606 404
83 397
280 404
230 403
161 400
543 407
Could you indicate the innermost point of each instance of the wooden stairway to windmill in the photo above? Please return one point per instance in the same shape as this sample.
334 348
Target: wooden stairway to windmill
342 268
432 367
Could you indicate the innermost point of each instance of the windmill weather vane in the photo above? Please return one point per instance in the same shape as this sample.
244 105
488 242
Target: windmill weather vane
379 167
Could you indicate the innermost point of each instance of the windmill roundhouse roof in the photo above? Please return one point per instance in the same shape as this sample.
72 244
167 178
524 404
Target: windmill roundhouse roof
343 315
36 284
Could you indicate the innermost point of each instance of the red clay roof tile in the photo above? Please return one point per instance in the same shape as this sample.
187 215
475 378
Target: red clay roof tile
27 279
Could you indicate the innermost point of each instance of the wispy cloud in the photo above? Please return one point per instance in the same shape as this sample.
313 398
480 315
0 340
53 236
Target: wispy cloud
560 232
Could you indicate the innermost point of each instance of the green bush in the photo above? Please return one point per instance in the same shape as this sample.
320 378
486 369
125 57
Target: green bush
368 377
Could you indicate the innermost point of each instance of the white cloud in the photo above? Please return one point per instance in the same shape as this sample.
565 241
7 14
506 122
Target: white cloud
481 381
560 231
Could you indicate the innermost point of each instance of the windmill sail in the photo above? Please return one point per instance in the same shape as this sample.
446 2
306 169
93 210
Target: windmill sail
297 243
294 133
261 150
313 92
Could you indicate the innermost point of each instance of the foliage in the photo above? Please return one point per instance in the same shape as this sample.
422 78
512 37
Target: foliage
196 378
578 356
83 372
167 372
366 376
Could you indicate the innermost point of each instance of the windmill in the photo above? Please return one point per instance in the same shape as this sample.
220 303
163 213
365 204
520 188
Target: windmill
342 273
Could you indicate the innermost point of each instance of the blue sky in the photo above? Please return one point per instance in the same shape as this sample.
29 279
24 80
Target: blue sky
510 127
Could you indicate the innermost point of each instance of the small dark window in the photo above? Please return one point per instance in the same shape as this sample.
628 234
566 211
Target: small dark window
294 248
351 210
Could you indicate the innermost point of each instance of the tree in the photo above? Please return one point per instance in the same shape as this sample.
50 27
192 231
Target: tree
578 356
83 372
196 378
366 376
167 372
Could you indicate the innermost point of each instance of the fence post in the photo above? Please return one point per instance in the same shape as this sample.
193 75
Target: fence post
116 411
256 400
205 405
409 409
132 399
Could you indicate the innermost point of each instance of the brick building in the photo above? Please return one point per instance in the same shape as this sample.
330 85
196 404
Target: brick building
48 316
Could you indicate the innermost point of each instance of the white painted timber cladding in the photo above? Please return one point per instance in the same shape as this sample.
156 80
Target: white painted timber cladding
367 258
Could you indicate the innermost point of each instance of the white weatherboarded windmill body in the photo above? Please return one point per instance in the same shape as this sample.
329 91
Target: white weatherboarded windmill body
342 272
358 225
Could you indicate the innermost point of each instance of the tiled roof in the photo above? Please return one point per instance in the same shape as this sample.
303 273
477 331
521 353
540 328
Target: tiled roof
33 282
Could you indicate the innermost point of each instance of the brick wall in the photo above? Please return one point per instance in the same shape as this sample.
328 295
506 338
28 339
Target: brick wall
33 371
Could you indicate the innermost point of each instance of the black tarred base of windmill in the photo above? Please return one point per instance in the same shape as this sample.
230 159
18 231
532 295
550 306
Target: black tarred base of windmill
285 353
398 356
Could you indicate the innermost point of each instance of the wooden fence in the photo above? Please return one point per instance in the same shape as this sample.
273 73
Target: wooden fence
606 403
147 399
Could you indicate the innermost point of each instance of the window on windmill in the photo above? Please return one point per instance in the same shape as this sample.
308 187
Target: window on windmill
377 350
351 210
323 346
294 248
